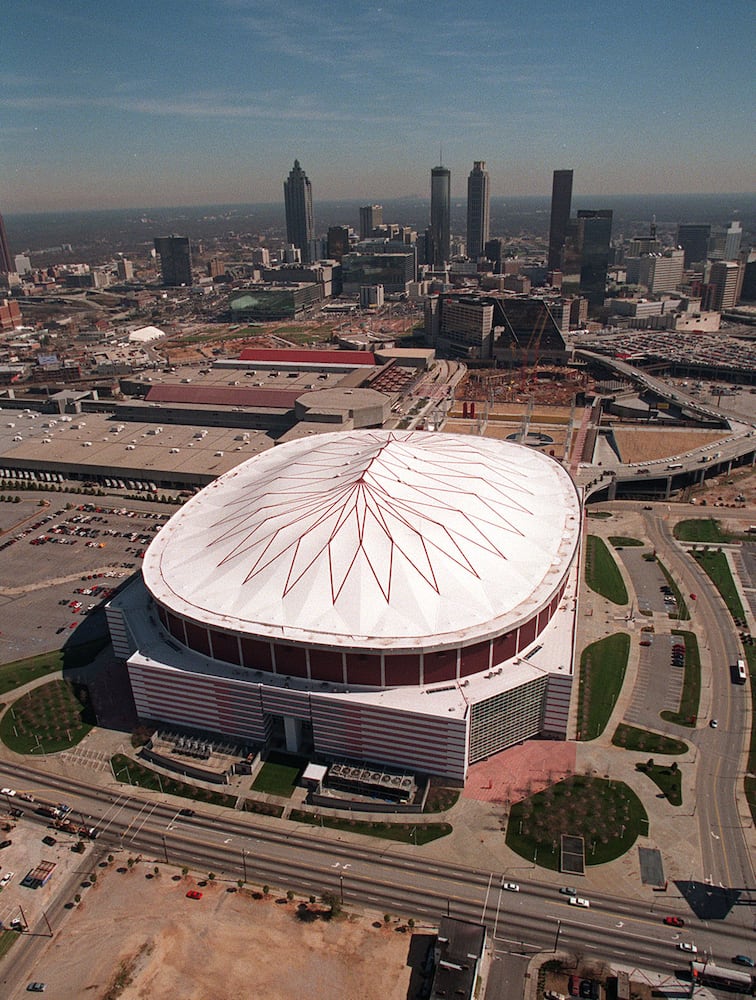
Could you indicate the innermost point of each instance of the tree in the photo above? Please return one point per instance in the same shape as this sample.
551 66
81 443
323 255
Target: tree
184 871
211 876
411 923
387 918
266 890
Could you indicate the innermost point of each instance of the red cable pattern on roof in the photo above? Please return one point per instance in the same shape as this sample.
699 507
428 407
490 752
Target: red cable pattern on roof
391 501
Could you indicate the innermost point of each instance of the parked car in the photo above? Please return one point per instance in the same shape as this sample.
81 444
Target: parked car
186 812
713 723
674 921
36 987
194 894
6 879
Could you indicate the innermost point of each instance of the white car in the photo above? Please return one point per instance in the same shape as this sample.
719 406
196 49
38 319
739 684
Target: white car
7 791
510 886
687 946
6 879
579 901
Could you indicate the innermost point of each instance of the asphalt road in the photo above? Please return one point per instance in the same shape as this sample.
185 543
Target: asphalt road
726 859
387 878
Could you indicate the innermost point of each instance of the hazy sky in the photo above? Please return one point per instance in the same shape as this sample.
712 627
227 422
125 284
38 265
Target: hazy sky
169 102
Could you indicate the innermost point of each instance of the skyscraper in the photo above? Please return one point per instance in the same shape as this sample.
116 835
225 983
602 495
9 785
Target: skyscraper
440 220
6 261
300 224
371 216
561 203
694 239
175 260
477 210
595 229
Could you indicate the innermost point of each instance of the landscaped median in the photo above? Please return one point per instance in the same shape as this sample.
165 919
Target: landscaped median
601 572
405 833
602 672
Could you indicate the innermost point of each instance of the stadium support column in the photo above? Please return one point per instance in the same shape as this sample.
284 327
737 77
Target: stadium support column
293 732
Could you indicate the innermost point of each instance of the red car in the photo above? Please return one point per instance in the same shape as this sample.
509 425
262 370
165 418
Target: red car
674 921
193 894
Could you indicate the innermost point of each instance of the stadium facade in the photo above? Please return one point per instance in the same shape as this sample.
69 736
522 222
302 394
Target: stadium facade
401 598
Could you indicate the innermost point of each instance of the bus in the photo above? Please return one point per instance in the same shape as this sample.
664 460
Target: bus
709 974
740 672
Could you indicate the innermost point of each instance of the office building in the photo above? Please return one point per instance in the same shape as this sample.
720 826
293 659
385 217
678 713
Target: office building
595 232
561 204
731 243
439 251
658 272
694 239
393 271
22 264
338 242
371 217
300 222
124 269
175 260
478 210
427 638
724 285
6 261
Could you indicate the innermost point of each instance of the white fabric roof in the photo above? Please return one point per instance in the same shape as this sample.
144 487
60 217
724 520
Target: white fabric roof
384 539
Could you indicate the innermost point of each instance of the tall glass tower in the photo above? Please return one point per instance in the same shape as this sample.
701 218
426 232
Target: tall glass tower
440 221
477 210
561 203
6 264
595 235
300 224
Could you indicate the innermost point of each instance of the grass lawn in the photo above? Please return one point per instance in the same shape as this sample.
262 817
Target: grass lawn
624 541
682 608
691 692
716 566
602 671
13 675
607 814
600 515
47 719
665 776
700 529
279 775
644 740
131 772
7 940
404 833
601 572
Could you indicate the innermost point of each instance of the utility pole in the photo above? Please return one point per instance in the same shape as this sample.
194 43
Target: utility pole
558 929
244 863
46 921
165 847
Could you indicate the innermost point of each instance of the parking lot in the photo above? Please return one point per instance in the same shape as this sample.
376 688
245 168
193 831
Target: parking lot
27 852
61 558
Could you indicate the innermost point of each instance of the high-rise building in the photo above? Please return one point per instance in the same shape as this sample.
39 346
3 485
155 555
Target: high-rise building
338 242
440 220
477 210
371 217
733 237
694 239
300 222
6 261
725 283
175 260
561 204
595 233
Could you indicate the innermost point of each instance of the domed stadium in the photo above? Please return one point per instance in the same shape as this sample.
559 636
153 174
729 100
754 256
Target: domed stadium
397 597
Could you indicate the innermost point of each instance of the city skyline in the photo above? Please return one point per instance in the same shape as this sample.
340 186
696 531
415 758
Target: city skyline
195 104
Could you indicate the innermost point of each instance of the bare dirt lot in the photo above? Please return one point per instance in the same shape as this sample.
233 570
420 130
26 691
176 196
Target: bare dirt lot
134 937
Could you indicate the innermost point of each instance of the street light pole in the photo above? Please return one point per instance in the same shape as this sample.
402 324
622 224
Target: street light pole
244 863
165 847
558 929
341 888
